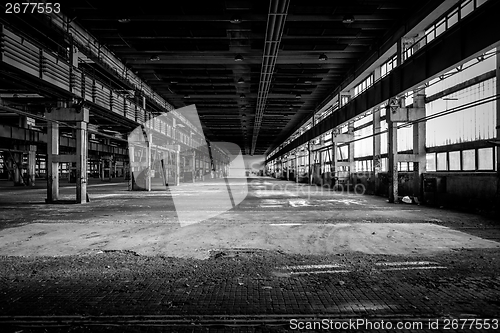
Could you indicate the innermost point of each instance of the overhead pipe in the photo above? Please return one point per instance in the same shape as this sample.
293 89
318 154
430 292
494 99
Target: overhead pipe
278 10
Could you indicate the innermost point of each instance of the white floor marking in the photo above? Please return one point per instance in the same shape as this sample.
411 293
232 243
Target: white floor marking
298 267
346 202
412 268
298 203
403 263
320 272
285 224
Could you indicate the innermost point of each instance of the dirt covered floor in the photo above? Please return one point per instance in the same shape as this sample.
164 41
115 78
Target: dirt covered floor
128 261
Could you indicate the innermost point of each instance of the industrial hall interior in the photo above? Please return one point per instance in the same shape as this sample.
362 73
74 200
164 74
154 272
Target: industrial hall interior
250 166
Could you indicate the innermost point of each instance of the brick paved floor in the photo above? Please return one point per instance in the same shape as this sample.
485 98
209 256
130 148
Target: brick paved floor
240 288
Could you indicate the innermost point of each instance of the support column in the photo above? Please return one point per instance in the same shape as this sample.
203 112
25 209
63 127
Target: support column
52 164
288 168
131 167
377 160
32 165
296 167
309 167
392 154
419 135
80 117
81 162
352 166
148 162
333 162
17 164
498 124
194 166
177 167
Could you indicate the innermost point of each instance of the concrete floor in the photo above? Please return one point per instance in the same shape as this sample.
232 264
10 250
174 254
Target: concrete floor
407 260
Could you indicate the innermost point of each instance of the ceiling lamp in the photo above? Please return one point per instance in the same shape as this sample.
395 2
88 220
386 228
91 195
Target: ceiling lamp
242 96
241 81
187 96
124 20
348 19
236 19
154 58
238 57
298 96
322 57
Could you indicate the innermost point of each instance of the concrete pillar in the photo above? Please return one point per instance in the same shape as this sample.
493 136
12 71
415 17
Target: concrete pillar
32 165
52 165
131 168
177 167
352 165
309 167
17 164
148 162
419 135
377 160
321 162
194 165
297 166
498 123
392 154
333 162
288 168
81 161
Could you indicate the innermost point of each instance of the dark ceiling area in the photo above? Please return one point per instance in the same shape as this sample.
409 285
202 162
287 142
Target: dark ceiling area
254 69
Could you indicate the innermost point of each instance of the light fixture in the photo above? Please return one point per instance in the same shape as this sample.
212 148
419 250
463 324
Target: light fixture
154 58
240 81
236 19
298 96
242 96
322 57
124 20
348 19
187 96
238 57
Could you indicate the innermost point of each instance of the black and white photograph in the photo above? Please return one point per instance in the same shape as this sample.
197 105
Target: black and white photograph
249 166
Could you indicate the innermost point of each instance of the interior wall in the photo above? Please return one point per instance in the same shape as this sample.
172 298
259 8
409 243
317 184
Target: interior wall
254 163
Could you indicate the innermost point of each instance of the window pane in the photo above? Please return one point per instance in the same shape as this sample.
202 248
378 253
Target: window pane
431 162
441 162
430 34
440 27
454 160
452 19
485 159
467 8
469 159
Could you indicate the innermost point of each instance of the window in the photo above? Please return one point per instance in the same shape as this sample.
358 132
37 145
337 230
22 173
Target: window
469 160
485 159
454 159
363 85
440 27
383 163
466 8
431 162
453 18
441 162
